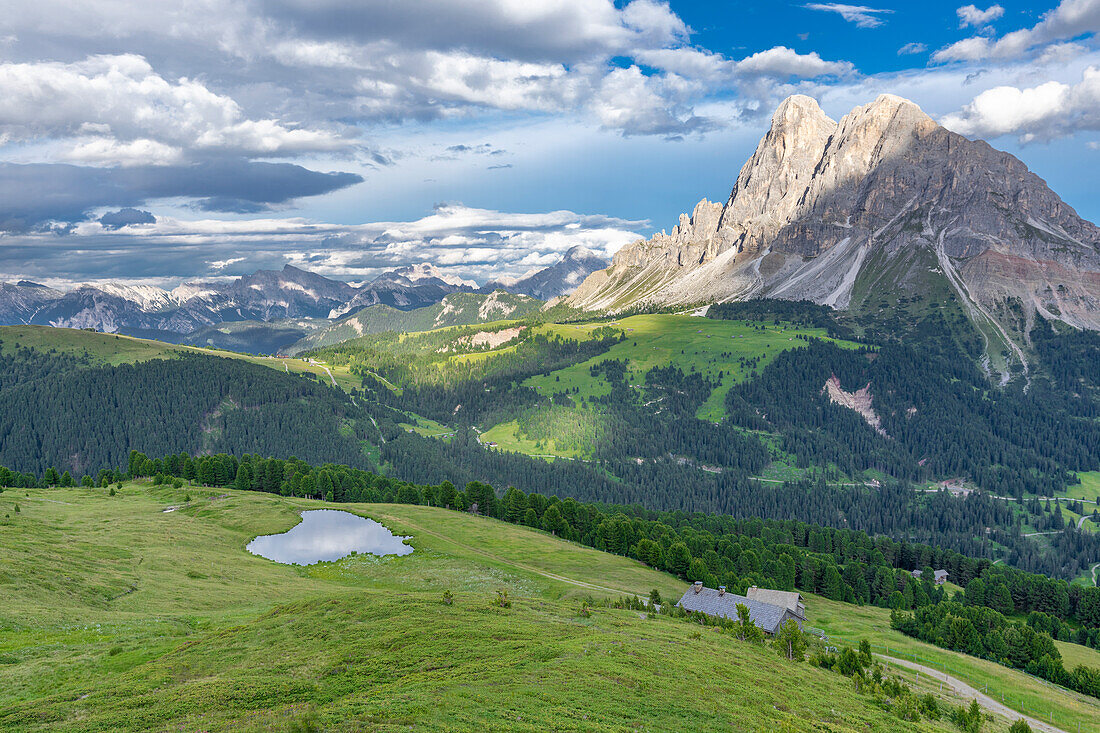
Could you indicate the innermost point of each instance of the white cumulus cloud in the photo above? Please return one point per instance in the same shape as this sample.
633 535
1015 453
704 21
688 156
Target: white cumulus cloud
1070 19
136 112
108 151
781 61
1046 111
630 101
973 16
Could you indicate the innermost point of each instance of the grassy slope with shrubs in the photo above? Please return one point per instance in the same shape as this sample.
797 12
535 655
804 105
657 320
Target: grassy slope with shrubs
118 616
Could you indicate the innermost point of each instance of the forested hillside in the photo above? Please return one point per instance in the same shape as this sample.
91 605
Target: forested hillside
67 412
624 406
937 414
938 418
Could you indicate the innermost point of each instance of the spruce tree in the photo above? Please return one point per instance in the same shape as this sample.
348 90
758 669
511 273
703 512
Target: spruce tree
790 642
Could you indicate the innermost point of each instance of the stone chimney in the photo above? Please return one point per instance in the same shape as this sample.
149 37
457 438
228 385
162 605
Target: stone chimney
697 586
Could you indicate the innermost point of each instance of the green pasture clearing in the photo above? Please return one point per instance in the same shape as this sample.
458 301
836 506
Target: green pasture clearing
706 345
118 616
476 356
508 438
1075 654
344 378
779 471
1085 578
1087 487
426 426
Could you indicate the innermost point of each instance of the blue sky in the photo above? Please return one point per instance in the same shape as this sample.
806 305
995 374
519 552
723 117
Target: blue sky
738 28
484 137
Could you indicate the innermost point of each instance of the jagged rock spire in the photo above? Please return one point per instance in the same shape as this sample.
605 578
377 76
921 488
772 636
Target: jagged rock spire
774 179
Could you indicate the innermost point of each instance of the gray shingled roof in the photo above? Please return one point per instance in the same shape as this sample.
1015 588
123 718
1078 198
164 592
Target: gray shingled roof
787 599
765 615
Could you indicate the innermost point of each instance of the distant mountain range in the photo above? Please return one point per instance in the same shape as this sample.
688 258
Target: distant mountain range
265 295
882 212
270 308
558 279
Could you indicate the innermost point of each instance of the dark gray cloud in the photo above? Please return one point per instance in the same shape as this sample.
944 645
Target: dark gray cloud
126 217
33 194
229 205
482 149
565 31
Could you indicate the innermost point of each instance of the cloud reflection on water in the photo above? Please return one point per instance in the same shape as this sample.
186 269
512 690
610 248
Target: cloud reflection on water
326 535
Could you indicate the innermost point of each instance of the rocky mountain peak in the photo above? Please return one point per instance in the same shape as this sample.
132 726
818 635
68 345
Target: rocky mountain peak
560 278
797 112
888 120
419 273
578 252
773 181
883 200
885 129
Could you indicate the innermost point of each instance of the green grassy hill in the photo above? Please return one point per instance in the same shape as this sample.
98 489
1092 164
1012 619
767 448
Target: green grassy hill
457 309
118 616
115 349
726 351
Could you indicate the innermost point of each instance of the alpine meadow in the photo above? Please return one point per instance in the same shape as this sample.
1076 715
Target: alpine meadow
353 379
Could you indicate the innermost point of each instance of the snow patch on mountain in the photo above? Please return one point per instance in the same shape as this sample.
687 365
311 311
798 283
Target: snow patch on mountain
146 297
560 278
426 271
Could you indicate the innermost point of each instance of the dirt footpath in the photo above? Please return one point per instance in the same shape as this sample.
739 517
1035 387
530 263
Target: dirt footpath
965 690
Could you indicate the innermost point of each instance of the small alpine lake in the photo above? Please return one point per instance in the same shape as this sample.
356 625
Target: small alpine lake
325 535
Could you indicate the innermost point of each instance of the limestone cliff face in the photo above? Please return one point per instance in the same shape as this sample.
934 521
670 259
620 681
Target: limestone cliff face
823 209
773 183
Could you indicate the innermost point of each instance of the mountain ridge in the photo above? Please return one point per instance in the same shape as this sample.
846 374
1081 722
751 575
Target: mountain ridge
558 279
264 296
